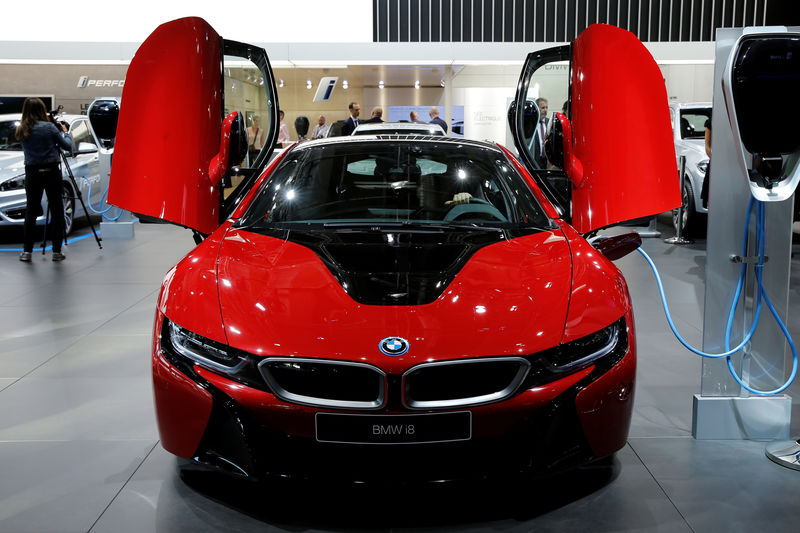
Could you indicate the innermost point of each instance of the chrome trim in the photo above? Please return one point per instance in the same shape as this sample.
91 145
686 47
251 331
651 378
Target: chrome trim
313 401
175 335
605 350
511 388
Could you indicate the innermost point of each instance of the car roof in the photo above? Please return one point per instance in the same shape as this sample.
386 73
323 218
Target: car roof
417 127
427 139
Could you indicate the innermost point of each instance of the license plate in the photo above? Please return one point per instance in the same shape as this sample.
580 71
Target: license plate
393 429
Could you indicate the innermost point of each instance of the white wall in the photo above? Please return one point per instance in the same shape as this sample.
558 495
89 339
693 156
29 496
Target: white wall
294 21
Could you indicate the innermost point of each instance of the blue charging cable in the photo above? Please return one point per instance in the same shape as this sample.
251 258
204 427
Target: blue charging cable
98 210
761 294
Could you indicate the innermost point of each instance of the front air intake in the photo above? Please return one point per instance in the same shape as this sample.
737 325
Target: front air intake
467 382
324 383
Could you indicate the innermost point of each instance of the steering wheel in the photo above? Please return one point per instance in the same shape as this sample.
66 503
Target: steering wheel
475 205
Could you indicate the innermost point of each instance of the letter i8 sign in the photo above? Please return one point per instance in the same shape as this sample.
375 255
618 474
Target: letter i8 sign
393 429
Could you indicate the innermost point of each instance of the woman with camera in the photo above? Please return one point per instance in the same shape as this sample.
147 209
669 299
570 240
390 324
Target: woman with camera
41 139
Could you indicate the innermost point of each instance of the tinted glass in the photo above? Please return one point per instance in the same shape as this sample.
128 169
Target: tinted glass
693 123
396 182
7 139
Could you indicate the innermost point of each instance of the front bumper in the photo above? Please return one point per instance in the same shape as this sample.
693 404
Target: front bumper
223 424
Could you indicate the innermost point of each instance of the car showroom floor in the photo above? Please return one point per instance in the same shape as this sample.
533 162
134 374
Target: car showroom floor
79 446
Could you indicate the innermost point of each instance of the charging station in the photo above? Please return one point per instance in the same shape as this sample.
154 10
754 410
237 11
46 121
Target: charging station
103 114
754 154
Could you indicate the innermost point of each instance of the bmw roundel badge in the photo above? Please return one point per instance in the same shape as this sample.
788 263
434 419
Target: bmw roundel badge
393 346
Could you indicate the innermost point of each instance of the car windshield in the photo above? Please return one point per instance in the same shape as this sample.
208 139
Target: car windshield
396 182
693 123
7 139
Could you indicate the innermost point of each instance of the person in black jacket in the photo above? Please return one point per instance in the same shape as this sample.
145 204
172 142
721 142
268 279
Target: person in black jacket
352 121
41 139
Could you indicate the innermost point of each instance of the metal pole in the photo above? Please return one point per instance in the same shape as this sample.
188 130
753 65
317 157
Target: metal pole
678 239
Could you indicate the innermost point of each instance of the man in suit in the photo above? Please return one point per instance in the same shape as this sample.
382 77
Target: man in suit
352 121
434 114
541 131
375 118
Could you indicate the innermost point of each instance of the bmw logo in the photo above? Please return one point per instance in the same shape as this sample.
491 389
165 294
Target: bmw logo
393 346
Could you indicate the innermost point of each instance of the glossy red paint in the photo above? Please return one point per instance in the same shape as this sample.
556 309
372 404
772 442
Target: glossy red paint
599 294
298 420
572 165
165 172
605 406
278 298
549 210
190 296
621 131
182 406
219 165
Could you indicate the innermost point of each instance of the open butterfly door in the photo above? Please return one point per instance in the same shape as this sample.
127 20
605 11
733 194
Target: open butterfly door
189 107
606 156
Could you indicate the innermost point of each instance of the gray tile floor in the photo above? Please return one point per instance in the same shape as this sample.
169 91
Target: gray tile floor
79 447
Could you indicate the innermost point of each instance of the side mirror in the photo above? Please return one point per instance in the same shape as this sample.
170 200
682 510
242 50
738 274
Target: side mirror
559 143
618 246
232 147
103 115
85 148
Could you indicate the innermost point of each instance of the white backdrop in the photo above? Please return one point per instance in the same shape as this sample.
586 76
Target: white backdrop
295 21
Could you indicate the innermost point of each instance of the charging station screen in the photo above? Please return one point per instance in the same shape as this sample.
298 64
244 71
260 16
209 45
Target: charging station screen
766 93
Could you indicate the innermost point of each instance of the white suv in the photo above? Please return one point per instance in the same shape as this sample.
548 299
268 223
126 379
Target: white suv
688 128
85 167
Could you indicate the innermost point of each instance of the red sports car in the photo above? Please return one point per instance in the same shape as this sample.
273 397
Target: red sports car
393 305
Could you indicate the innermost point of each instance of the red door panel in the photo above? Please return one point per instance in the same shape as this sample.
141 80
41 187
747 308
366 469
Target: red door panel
169 127
621 132
618 158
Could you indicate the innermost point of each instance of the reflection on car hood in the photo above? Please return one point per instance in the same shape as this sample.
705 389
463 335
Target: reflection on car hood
278 297
12 164
698 145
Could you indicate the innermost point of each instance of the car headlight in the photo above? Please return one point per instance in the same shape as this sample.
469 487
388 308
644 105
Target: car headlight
586 350
205 352
702 166
15 183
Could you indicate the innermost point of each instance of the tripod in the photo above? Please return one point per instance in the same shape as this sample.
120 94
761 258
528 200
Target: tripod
79 196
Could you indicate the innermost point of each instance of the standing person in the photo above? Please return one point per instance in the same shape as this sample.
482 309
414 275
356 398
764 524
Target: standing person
352 121
413 116
255 139
40 142
375 117
707 177
283 132
321 129
541 129
434 114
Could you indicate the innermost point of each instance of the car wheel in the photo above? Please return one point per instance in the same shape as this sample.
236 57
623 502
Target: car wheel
689 214
69 208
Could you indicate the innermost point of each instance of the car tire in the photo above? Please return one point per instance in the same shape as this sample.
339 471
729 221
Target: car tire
690 215
68 197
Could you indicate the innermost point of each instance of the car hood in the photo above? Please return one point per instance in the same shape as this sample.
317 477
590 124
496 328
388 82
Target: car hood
697 145
12 163
278 297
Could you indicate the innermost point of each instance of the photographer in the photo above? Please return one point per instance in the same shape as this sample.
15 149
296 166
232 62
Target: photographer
41 139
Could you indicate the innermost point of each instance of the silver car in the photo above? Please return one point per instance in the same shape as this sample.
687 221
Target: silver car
688 128
85 167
